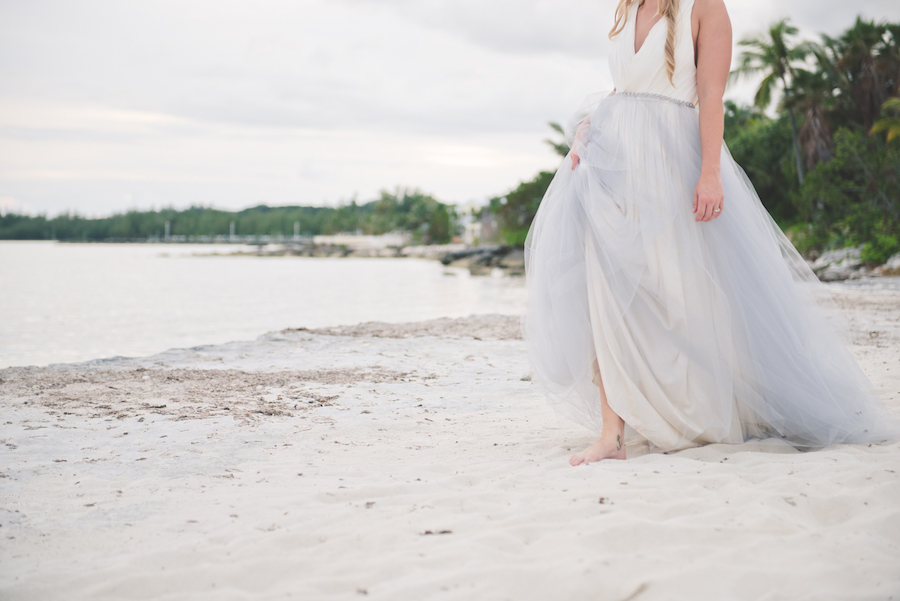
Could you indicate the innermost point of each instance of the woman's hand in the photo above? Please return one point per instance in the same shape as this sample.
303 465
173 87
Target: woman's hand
708 196
575 160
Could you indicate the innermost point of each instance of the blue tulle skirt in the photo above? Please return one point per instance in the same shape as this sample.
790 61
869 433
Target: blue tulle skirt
700 332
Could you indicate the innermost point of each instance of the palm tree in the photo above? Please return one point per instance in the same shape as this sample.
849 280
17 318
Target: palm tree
737 116
812 97
889 58
889 123
560 148
775 57
861 59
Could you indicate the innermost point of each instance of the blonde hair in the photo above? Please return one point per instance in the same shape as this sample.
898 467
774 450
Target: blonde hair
668 9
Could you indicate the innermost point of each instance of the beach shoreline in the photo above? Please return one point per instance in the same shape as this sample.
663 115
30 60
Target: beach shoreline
415 461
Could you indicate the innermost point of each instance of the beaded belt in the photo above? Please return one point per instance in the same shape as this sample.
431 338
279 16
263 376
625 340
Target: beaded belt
657 97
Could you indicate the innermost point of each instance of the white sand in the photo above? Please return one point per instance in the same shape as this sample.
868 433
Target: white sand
414 462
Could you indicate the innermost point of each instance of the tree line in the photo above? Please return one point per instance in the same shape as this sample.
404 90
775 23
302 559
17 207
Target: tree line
427 219
827 164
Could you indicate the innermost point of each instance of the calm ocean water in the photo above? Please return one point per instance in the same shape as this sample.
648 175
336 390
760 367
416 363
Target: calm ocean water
74 302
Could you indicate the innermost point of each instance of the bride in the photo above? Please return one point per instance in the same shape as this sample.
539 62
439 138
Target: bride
661 293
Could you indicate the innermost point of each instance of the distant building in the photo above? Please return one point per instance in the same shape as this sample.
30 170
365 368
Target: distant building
478 224
490 229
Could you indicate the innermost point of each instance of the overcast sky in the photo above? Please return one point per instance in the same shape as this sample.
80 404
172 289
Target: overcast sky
118 104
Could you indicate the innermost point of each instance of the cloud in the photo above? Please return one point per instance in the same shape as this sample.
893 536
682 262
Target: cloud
811 16
530 27
304 101
309 64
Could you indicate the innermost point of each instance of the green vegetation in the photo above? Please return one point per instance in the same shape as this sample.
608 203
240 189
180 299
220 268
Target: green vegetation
854 198
827 166
428 220
516 210
774 57
890 119
763 148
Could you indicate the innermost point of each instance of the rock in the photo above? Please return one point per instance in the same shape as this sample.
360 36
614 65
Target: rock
479 260
846 264
891 267
838 265
477 254
513 263
431 251
483 260
388 252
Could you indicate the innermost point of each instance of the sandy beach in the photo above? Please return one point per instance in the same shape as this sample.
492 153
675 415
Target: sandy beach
415 461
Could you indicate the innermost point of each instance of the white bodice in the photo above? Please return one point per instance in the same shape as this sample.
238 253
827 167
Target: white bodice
645 72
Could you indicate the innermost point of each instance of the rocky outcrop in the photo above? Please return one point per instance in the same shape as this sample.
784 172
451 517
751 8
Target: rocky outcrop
831 266
891 267
484 260
846 264
423 251
431 251
841 264
389 252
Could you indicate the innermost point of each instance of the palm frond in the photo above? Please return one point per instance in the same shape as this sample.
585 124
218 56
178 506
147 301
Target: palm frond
742 71
891 125
763 97
560 148
888 123
891 104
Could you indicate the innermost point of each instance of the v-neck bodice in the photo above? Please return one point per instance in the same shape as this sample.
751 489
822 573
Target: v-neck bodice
644 71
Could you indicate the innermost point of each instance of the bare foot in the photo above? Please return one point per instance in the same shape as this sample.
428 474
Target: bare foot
608 447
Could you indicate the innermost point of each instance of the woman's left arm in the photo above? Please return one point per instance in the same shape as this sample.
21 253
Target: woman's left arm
713 64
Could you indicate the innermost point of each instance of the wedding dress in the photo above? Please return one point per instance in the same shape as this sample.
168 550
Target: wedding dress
702 332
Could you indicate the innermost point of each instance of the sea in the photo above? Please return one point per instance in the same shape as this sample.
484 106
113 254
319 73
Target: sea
72 302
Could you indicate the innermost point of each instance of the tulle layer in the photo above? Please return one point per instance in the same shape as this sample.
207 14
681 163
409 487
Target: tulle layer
700 332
